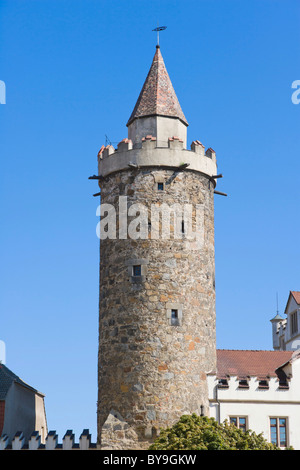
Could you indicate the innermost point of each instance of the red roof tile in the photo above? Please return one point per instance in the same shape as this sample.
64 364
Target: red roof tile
296 296
250 362
157 96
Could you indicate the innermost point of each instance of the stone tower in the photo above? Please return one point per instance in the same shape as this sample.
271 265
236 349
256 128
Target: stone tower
157 272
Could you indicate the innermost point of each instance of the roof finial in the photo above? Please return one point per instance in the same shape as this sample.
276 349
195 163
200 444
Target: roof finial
158 29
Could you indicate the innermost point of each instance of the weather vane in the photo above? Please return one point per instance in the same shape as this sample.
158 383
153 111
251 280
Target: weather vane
158 29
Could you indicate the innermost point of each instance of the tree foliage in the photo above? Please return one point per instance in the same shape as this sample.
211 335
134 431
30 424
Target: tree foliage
194 432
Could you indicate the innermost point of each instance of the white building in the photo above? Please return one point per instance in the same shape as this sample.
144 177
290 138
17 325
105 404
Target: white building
285 331
258 390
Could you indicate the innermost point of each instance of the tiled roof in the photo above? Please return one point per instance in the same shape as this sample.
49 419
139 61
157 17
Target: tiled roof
296 296
244 363
7 377
157 96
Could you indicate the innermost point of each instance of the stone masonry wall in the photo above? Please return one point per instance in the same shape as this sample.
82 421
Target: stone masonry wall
150 373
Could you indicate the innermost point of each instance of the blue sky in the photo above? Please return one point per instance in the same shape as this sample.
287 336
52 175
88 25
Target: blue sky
73 71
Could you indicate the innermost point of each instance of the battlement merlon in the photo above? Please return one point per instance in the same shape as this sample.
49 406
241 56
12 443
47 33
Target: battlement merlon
151 154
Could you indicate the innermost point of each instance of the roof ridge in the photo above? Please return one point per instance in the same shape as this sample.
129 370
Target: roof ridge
9 374
253 350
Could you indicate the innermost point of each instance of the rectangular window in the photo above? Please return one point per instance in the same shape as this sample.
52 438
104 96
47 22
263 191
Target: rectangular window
174 317
137 270
160 186
239 421
294 323
278 429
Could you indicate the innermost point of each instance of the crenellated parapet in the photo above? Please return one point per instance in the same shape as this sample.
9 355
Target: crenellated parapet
210 153
175 143
198 147
104 152
150 152
149 142
51 441
124 145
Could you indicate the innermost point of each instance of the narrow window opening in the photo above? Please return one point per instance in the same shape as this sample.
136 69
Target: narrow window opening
137 270
160 186
174 317
283 383
294 323
182 226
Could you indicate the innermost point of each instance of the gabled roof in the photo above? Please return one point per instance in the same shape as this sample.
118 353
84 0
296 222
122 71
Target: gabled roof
157 96
243 363
296 296
7 377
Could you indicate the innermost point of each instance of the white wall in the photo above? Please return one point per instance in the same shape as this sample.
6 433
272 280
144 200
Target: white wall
260 405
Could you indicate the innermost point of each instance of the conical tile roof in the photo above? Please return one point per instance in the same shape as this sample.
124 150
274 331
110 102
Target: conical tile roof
157 96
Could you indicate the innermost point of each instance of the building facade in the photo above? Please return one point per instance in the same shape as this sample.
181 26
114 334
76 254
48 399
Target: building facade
21 407
258 390
157 272
285 331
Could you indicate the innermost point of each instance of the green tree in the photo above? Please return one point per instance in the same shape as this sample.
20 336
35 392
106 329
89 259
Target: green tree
194 432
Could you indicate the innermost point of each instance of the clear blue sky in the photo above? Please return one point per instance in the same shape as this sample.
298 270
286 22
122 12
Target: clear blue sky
73 71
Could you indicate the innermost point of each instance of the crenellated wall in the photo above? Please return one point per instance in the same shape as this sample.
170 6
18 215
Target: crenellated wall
151 152
51 443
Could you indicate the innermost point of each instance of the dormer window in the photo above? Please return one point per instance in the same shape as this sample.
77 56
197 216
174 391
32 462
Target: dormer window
283 380
283 384
243 383
223 383
263 384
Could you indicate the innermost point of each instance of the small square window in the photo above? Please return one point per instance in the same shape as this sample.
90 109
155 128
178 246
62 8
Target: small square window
174 317
137 271
160 186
